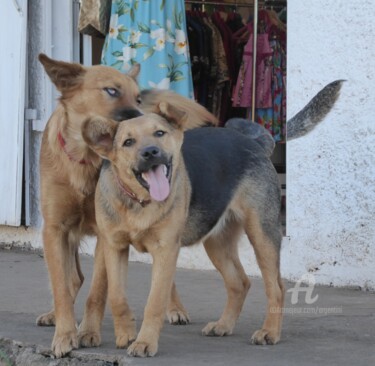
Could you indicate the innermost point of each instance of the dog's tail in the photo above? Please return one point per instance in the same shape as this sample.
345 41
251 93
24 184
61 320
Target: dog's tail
314 112
254 131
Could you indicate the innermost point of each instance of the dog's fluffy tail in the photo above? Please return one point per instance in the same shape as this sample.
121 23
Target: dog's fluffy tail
314 112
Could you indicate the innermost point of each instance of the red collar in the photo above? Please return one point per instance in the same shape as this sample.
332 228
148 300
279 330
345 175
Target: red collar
63 143
131 194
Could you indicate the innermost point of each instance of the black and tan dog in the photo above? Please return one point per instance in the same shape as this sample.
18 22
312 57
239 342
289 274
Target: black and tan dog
152 193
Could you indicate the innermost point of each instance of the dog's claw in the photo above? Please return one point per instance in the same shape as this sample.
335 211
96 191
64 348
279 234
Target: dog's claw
142 349
46 320
217 329
264 337
124 340
63 344
178 317
89 339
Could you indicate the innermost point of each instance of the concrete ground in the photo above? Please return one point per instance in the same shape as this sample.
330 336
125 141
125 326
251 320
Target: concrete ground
337 329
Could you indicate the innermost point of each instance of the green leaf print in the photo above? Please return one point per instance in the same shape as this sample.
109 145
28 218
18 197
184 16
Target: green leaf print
117 65
122 38
162 5
163 66
178 78
122 8
136 3
132 14
144 28
148 53
139 45
176 17
117 53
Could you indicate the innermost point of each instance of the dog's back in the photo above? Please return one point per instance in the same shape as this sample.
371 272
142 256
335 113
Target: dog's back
220 163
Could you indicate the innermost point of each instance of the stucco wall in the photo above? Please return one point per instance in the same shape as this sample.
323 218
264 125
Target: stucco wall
331 172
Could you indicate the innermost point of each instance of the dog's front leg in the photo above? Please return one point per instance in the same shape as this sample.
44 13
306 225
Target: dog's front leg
116 262
59 260
89 329
163 270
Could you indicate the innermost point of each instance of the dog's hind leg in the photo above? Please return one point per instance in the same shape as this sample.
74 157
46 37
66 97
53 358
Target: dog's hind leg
76 281
176 313
89 329
223 252
266 240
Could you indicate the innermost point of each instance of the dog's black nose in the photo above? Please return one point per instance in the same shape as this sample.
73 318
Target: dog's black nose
150 152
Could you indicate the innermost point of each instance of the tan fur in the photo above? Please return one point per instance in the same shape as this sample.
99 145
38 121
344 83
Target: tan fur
158 228
155 228
195 112
68 186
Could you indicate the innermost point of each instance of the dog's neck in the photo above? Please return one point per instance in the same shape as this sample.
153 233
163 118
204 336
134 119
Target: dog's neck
62 143
127 191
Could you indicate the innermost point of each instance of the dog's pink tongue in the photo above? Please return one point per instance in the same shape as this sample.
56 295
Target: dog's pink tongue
158 182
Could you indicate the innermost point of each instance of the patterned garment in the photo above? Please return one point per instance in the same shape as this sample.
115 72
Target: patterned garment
153 34
274 118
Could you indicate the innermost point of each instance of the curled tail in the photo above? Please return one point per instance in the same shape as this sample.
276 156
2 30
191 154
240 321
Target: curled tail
314 112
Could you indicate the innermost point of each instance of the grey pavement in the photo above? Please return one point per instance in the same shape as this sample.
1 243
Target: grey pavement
337 329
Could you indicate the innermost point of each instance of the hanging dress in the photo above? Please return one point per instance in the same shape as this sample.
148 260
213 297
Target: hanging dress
153 34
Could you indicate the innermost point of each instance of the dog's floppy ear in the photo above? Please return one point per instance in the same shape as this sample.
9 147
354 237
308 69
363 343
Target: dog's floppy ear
65 75
134 71
99 134
176 117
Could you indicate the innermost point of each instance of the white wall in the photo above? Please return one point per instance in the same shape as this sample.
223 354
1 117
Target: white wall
331 172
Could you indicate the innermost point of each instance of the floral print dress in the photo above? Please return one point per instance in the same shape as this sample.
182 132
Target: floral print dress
153 34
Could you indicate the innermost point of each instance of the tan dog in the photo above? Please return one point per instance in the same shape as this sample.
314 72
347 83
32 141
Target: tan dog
69 171
148 198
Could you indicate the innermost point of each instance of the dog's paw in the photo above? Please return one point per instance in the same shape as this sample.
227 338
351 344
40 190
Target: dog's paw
89 338
46 320
217 329
263 337
178 317
124 340
63 343
143 349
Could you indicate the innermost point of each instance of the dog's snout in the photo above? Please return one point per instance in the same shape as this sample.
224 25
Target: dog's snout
150 152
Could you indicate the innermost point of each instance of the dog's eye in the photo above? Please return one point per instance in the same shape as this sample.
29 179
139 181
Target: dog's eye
159 133
112 92
139 100
128 142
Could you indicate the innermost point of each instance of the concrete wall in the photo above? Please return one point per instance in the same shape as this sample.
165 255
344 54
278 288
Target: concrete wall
331 172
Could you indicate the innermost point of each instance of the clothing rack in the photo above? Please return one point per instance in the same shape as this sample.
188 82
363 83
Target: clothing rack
208 2
255 6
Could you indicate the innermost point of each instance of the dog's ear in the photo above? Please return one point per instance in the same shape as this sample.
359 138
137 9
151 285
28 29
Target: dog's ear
176 117
134 71
99 134
66 76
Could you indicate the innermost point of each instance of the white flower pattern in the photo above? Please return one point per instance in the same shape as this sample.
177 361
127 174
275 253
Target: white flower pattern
154 37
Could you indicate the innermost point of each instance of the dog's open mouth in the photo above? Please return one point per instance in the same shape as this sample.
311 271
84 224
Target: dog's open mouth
156 180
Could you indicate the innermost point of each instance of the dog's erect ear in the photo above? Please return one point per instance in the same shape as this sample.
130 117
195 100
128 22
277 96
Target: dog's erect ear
134 71
66 76
176 117
99 134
